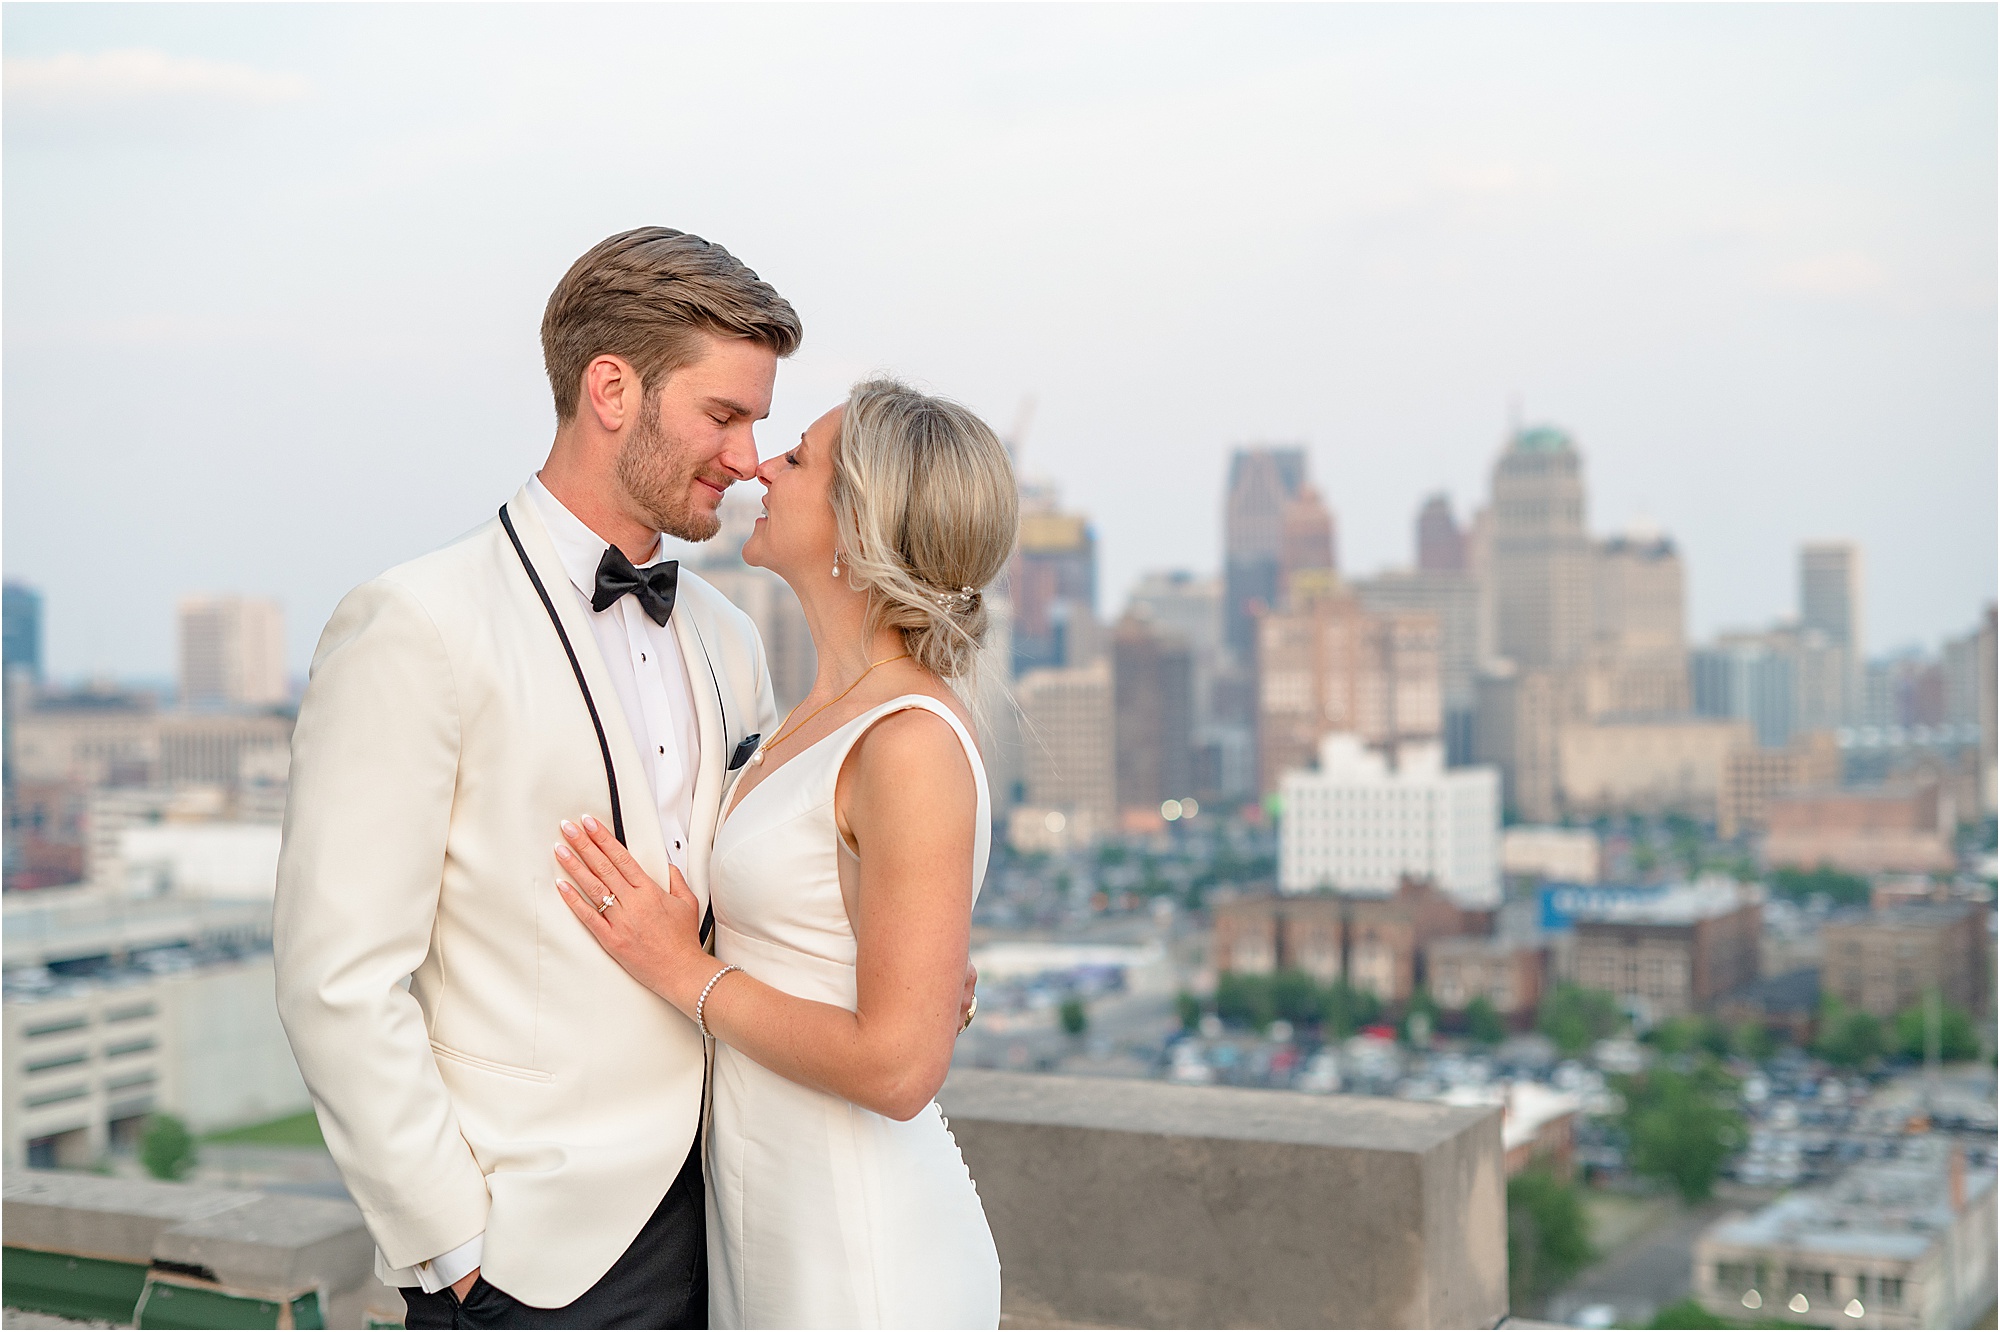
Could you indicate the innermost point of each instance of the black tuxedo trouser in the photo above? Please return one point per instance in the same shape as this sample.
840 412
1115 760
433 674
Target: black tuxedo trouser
661 1280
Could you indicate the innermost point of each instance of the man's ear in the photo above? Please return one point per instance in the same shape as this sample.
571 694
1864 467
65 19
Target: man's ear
611 391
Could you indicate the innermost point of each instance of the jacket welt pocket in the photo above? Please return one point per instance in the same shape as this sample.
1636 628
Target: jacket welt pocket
491 1065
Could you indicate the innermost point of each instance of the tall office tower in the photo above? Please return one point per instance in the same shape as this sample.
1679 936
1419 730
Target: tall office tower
1453 597
1541 553
1639 658
1479 563
1519 720
1153 719
1785 682
1067 729
1750 677
1440 545
21 630
1330 664
1182 603
1187 604
232 652
1961 680
1053 586
1830 603
1305 542
1830 592
1262 481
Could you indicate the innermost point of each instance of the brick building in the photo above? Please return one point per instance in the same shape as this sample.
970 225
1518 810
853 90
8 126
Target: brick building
1509 973
1377 943
1889 830
1752 777
1883 961
1672 954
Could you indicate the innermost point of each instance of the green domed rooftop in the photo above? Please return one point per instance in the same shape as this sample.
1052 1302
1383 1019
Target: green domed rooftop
1542 439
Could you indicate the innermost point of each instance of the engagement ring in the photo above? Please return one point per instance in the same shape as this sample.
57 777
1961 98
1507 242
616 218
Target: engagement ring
610 901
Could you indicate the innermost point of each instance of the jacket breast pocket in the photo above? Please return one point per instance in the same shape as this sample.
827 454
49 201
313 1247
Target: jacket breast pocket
491 1065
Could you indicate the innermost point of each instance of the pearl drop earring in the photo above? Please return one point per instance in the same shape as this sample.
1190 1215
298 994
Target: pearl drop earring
836 564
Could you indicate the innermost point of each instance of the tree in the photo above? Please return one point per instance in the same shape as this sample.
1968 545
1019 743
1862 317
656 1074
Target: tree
1679 1035
1483 1022
1244 999
1682 1125
1294 997
1574 1017
167 1150
1074 1016
1847 1037
1800 884
1754 1041
1687 1313
1420 1018
1344 1010
1956 1037
1548 1234
1188 1008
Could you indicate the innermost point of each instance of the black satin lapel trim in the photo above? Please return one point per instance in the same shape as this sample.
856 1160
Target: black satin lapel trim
597 724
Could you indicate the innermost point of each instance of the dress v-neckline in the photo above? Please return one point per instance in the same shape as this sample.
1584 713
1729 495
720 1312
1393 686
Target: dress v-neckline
739 801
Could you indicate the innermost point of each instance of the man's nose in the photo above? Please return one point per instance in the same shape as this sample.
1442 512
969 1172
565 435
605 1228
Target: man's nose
739 456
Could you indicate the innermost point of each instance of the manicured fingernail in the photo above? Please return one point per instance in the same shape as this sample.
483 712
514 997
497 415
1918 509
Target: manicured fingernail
590 823
569 829
563 887
563 853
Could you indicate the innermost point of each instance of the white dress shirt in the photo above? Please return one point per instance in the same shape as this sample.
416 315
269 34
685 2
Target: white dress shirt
651 679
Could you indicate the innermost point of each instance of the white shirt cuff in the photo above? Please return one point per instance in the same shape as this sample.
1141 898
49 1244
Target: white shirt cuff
448 1268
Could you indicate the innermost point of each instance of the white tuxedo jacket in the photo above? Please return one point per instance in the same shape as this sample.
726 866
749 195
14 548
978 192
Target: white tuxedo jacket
478 1062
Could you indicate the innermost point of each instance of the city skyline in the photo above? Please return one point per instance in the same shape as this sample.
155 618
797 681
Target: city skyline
1742 256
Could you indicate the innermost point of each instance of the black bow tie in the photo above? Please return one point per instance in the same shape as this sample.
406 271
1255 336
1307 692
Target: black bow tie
654 585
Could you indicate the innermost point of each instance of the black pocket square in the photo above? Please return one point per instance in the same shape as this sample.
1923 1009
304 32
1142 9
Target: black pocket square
744 751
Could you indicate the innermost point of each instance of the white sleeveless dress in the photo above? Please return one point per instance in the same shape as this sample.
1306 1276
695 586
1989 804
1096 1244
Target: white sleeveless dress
821 1213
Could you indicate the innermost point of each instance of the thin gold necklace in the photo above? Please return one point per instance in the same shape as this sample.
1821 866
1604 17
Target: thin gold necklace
757 758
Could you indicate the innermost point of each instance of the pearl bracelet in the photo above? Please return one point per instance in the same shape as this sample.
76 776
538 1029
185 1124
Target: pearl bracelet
700 1025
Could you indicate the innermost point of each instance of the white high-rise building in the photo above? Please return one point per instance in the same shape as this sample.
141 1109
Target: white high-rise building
232 652
1357 824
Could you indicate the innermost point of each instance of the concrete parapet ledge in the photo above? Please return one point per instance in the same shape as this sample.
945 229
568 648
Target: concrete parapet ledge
1119 1203
273 1247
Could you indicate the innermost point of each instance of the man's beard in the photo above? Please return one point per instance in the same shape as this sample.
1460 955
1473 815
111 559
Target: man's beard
655 472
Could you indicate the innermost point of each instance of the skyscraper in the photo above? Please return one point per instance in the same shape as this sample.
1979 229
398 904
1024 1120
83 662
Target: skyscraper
232 652
1440 544
1830 603
1067 736
1153 701
21 630
1306 540
1262 482
1639 661
1830 592
1327 663
1053 586
1541 552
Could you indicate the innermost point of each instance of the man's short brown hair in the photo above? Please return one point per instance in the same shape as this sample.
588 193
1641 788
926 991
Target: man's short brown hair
644 295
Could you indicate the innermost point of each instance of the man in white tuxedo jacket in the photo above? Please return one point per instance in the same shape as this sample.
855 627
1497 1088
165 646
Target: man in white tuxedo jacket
517 1117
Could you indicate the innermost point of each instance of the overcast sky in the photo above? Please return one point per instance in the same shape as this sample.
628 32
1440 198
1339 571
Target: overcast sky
273 273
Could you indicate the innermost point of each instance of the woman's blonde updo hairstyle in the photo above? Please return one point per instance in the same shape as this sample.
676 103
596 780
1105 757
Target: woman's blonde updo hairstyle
924 496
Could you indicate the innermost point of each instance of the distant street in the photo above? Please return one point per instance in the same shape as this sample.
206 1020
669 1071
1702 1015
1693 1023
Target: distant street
1652 1269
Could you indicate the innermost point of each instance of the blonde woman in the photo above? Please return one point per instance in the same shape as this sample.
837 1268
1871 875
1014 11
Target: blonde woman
842 883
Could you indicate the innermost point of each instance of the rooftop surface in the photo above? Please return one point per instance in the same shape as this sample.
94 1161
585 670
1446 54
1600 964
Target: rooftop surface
1889 1209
